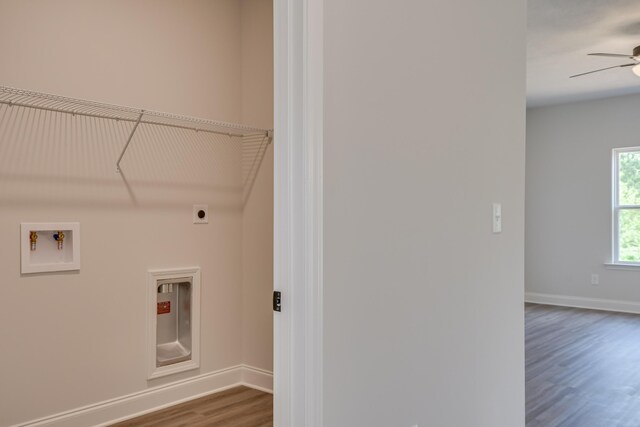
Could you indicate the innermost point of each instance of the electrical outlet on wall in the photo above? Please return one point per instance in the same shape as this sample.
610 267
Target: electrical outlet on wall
595 279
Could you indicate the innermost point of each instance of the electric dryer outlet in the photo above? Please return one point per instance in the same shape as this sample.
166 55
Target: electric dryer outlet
200 214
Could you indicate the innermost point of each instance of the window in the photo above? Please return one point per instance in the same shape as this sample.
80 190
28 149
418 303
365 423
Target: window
626 205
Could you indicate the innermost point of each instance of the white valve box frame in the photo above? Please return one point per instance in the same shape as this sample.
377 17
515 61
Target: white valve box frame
47 257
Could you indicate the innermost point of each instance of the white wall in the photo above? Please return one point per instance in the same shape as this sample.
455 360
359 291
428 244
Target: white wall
568 193
72 339
424 129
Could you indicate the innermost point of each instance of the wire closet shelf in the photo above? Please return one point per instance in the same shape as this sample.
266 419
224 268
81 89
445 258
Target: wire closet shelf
61 104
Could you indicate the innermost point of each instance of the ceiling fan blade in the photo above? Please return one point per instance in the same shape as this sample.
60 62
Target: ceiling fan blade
602 69
611 55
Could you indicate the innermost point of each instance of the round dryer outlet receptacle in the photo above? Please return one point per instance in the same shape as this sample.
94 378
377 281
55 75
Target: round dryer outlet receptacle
200 214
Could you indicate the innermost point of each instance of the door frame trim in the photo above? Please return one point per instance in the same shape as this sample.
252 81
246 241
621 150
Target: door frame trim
298 209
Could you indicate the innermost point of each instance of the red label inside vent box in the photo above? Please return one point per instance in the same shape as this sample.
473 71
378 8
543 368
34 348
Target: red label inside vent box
164 307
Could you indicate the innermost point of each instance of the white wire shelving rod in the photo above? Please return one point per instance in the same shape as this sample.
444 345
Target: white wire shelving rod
131 120
80 107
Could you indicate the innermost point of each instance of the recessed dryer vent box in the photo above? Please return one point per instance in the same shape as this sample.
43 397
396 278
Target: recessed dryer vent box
49 246
173 310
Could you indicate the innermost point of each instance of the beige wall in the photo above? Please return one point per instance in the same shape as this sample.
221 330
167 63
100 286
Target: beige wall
72 339
164 55
257 220
424 129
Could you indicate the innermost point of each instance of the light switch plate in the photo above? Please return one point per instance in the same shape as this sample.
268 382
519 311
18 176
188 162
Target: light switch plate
497 218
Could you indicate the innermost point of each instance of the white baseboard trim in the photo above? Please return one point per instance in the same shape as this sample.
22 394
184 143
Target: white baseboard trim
156 398
257 378
583 302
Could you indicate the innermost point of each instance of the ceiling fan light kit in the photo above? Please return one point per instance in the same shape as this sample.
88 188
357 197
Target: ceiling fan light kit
635 56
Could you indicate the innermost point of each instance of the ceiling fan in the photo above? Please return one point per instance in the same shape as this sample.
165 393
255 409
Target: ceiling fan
635 57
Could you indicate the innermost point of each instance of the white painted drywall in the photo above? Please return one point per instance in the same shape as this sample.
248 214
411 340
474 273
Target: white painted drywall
257 219
72 339
568 197
423 305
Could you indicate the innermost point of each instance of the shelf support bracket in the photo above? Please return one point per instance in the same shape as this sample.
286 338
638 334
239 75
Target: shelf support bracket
133 131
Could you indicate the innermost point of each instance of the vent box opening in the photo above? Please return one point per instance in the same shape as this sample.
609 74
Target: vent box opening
174 320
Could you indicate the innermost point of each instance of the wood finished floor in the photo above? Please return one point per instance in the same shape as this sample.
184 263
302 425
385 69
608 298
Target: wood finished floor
239 406
582 367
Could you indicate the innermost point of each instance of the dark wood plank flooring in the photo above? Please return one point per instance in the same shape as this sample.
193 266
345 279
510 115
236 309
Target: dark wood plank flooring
582 367
239 406
582 370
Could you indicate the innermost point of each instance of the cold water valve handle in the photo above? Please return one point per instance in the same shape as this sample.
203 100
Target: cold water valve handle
33 236
59 237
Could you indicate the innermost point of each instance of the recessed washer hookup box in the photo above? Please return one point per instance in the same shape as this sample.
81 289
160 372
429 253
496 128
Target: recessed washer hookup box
49 246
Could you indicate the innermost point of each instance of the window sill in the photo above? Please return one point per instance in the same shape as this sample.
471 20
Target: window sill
622 266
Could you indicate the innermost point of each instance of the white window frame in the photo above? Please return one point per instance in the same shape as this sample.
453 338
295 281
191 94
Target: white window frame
616 207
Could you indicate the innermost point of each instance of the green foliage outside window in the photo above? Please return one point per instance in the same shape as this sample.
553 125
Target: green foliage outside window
629 194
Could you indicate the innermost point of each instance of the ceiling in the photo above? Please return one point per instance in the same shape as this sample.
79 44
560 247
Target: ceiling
560 33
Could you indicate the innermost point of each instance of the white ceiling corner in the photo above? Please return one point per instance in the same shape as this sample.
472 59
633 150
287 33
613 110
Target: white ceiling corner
560 34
